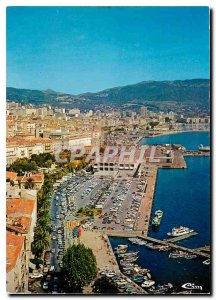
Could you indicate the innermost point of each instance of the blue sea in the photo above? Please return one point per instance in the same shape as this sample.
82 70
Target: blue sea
184 197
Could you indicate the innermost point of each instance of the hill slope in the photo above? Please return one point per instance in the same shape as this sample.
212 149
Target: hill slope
180 91
196 90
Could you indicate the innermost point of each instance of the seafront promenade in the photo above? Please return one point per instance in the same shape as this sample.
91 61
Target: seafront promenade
147 202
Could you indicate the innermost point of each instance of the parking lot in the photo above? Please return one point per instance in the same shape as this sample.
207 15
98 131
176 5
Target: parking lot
118 199
121 206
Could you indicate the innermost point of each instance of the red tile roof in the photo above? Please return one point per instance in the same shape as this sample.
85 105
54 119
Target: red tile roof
19 224
14 245
19 207
11 175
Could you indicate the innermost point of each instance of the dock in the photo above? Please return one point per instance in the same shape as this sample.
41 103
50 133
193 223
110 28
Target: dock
204 248
156 241
181 237
145 208
105 257
196 153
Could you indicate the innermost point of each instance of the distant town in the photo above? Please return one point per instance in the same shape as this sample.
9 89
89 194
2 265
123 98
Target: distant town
48 201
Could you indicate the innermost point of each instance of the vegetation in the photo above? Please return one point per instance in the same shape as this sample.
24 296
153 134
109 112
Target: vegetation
79 268
88 212
104 286
43 160
153 124
22 165
180 91
43 229
167 119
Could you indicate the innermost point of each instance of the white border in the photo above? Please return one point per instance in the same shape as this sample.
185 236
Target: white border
3 5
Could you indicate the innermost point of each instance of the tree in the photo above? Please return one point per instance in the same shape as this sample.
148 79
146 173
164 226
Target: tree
153 124
22 165
41 240
79 267
29 183
104 286
167 119
42 159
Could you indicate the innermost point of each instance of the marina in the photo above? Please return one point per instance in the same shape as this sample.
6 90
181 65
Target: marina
156 241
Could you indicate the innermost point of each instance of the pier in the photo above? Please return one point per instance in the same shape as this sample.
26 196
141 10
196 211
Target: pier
204 248
145 208
196 153
102 249
181 237
153 240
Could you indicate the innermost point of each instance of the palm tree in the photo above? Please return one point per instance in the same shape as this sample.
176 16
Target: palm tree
29 183
41 240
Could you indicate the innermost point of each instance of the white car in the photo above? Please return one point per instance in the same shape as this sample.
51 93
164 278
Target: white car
54 237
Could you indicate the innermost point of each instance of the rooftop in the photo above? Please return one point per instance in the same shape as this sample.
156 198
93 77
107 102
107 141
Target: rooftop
19 224
19 207
14 244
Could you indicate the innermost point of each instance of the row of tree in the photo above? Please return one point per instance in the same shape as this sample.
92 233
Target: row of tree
43 226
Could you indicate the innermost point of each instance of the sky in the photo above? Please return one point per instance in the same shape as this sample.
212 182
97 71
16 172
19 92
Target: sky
88 49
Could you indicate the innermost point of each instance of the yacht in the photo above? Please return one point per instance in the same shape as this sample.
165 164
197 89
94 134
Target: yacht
178 231
204 148
206 262
148 283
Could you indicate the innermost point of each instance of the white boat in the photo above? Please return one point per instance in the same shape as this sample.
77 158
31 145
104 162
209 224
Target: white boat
137 241
206 262
178 231
121 247
204 148
148 283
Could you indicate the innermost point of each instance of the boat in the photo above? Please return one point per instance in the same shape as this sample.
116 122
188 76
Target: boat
138 278
148 283
206 262
178 231
131 259
126 264
182 254
137 241
164 248
204 148
120 251
128 254
163 289
159 213
121 247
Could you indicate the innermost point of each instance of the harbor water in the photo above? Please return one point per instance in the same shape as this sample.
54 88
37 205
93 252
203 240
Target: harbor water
184 197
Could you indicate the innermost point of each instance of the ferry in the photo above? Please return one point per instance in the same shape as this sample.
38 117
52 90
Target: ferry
178 231
204 148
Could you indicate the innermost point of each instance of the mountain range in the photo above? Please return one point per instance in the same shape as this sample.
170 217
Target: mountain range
193 91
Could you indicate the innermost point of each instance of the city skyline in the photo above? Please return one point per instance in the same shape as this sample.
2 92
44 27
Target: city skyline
88 49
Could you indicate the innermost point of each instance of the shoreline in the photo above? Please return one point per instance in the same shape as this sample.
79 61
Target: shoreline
173 132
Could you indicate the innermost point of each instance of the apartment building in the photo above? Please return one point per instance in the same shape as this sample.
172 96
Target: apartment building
21 148
28 180
16 269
